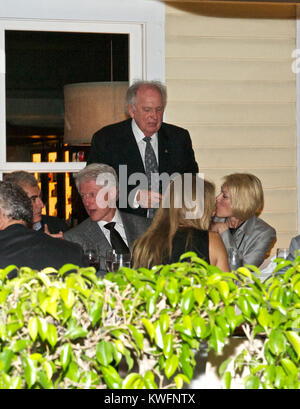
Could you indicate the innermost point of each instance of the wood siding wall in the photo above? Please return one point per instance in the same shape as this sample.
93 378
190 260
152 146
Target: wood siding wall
230 83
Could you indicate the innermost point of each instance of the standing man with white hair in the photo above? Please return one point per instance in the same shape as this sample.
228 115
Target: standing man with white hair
144 144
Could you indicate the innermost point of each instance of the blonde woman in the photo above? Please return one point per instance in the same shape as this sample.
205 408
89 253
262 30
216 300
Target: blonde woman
240 202
181 224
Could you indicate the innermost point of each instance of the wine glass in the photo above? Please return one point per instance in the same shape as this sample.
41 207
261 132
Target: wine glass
115 260
282 253
91 254
235 259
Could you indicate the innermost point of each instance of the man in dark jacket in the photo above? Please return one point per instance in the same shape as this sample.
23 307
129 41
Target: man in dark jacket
48 224
143 145
24 247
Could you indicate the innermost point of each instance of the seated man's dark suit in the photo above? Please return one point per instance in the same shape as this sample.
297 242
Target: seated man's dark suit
55 224
25 247
89 232
116 145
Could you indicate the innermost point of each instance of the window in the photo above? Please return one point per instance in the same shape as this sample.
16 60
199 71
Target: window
142 22
40 58
38 66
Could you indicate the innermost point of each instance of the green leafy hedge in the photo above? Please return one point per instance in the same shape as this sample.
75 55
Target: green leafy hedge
141 329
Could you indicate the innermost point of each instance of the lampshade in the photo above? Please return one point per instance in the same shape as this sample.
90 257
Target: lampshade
91 105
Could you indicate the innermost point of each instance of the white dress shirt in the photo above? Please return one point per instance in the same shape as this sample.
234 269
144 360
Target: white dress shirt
118 226
139 135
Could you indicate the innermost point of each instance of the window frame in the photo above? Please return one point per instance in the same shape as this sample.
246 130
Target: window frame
136 70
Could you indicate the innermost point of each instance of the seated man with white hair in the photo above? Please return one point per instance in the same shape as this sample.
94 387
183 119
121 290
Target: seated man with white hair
97 185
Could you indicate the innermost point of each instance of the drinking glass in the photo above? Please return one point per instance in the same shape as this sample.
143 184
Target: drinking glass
115 260
282 253
235 259
91 254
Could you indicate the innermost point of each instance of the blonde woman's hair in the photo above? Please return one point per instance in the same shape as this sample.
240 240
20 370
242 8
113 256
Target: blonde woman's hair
246 194
178 209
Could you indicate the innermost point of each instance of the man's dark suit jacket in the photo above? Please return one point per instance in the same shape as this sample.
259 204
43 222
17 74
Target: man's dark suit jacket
25 247
89 233
55 224
116 145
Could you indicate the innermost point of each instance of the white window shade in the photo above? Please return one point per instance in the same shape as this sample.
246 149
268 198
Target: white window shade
91 105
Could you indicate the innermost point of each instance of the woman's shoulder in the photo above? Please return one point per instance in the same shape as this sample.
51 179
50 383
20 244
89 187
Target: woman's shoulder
260 224
214 237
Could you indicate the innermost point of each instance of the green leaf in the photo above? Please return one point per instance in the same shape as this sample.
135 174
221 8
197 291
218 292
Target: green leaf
280 377
48 369
75 333
130 379
129 359
277 342
13 327
217 339
95 313
43 276
33 328
227 379
52 335
151 305
244 306
223 288
188 324
73 372
67 268
138 337
199 295
223 324
68 297
3 295
289 367
171 365
111 377
187 369
42 328
168 345
294 339
44 381
214 295
269 375
214 278
264 318
180 379
232 318
199 326
159 335
171 289
5 360
21 344
251 382
104 353
149 380
245 272
187 301
149 328
30 371
164 322
65 356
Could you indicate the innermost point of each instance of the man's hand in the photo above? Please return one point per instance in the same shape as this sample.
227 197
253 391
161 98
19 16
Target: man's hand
219 227
59 235
148 199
